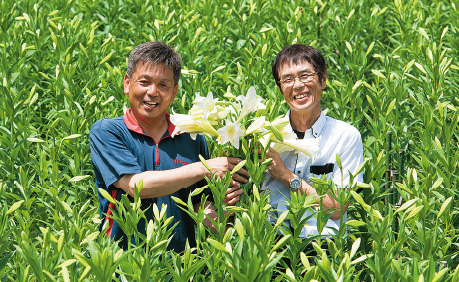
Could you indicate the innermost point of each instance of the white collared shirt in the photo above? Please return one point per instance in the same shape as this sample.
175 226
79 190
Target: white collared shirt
336 137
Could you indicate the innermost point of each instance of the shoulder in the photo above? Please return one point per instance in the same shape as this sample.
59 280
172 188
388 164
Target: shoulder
341 128
107 124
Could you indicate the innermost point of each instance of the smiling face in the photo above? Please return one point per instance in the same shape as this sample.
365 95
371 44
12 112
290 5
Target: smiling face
303 98
151 91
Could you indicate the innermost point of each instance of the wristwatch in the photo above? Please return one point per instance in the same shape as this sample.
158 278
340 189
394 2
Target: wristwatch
295 183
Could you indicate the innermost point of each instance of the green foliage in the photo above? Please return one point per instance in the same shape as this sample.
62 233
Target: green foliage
392 73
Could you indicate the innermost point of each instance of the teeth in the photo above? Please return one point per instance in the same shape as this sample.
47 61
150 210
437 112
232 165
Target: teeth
301 96
151 103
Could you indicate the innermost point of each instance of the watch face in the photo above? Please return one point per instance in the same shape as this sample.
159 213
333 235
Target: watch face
295 183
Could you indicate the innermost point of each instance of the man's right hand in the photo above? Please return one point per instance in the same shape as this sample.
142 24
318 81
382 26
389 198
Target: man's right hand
222 164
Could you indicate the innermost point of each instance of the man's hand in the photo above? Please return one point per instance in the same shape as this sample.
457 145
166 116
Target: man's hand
277 168
222 164
233 195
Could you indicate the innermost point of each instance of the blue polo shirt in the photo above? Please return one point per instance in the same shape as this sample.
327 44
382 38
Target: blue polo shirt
119 146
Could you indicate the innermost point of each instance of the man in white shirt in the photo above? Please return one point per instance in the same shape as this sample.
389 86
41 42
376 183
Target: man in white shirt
301 73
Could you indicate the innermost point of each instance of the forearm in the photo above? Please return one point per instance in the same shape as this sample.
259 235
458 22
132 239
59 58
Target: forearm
163 183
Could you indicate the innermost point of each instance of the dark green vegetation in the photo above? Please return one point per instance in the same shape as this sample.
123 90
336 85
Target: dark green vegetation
392 73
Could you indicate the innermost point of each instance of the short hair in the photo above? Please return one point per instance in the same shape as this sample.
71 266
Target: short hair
155 52
295 54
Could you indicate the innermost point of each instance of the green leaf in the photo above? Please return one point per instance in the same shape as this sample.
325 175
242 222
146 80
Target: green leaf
217 245
178 200
106 195
378 74
239 228
355 247
414 212
79 178
4 260
238 167
406 205
35 140
203 161
391 106
106 58
15 206
217 69
420 67
423 33
362 258
305 261
198 191
281 218
73 136
281 242
444 206
276 133
338 161
355 223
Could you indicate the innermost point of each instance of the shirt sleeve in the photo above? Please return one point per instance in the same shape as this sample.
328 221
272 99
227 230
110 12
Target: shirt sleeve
351 157
110 154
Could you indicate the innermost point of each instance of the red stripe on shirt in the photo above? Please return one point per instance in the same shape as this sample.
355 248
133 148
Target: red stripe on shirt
111 207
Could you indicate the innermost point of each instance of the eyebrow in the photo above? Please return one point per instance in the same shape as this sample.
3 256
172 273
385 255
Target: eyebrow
146 76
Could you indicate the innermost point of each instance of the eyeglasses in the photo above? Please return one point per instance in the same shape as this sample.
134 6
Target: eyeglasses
305 78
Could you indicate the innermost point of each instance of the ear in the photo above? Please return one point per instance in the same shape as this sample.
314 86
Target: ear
324 80
126 84
174 93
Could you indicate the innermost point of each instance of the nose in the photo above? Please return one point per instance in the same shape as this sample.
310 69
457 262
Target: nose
301 83
153 90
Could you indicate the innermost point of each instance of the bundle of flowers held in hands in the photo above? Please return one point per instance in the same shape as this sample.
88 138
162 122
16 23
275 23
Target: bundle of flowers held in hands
228 122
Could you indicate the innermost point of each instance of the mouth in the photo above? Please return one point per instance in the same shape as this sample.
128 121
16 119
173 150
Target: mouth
301 96
150 104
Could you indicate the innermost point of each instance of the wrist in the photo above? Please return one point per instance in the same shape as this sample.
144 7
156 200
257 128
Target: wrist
295 183
201 171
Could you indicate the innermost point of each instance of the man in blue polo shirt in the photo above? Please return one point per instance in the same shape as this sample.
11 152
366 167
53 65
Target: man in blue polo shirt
139 146
301 74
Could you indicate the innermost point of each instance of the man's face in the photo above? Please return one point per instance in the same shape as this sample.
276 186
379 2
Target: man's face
302 96
151 90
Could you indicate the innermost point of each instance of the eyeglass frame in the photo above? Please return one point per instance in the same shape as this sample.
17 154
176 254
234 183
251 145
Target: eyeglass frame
308 75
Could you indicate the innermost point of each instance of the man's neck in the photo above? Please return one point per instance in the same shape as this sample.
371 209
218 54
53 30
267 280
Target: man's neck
155 128
302 121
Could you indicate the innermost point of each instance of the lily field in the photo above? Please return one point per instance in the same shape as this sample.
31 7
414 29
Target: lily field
393 73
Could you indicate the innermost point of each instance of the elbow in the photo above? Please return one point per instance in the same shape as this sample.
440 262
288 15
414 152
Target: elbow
133 185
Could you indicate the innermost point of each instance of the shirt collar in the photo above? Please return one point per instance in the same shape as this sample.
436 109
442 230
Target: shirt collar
134 126
316 128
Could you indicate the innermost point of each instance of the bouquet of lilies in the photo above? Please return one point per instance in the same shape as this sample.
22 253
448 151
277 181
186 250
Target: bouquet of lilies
240 121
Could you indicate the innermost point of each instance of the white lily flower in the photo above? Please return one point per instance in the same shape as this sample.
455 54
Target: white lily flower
290 141
250 103
208 105
256 126
206 127
309 147
195 111
182 122
231 132
192 125
280 123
